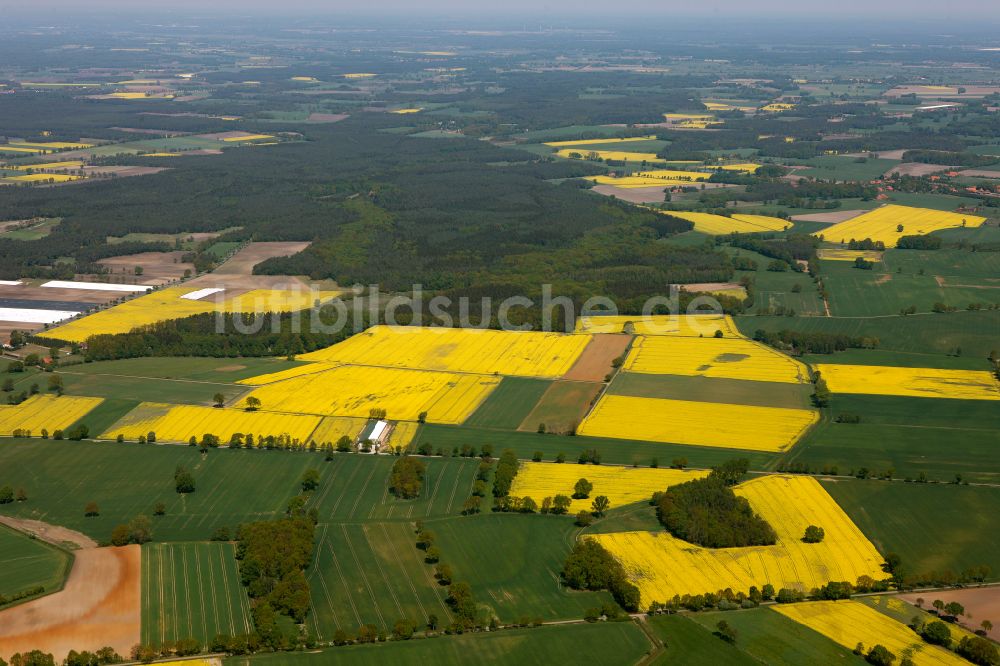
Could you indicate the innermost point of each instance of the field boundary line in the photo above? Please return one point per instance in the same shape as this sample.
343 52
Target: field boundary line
357 499
435 588
229 597
454 489
399 565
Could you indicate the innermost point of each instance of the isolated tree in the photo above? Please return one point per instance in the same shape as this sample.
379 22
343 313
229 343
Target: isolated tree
814 534
310 480
183 480
219 399
159 509
582 489
56 383
726 631
91 510
21 495
880 656
6 495
600 505
252 403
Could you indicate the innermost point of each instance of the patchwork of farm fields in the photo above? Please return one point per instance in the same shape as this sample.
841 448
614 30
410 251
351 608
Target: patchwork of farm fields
192 590
662 566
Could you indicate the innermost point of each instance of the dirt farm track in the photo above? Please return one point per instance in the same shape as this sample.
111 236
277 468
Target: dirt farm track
99 606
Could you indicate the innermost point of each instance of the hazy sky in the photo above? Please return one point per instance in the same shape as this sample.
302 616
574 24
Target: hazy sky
964 11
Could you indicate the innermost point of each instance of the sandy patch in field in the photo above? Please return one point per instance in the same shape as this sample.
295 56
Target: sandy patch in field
882 279
326 117
595 361
242 262
157 267
832 217
230 368
917 169
982 602
100 605
56 534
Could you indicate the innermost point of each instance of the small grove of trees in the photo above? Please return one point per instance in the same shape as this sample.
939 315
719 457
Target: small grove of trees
105 655
706 512
506 470
407 477
591 567
138 530
273 556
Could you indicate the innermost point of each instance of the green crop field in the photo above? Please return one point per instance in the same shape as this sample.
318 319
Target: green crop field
191 590
900 359
835 167
562 407
513 564
371 573
602 643
126 480
509 403
616 451
939 451
27 563
975 333
687 642
922 522
209 370
711 389
771 638
773 289
355 487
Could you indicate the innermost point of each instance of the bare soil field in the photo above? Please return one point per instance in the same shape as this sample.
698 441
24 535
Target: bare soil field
242 262
326 117
595 361
157 267
980 173
710 286
153 132
119 171
637 195
100 605
917 169
832 217
982 602
936 91
562 407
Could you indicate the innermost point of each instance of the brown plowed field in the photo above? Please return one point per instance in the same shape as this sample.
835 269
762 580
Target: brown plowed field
99 606
595 361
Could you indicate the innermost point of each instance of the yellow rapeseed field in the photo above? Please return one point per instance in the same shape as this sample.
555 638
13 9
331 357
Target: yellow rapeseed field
617 155
889 223
697 423
165 304
248 137
45 411
332 428
916 382
748 167
731 358
39 177
280 375
681 325
662 566
403 434
775 107
178 423
851 622
403 112
524 353
836 254
715 225
592 142
52 145
621 485
359 75
68 164
404 394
